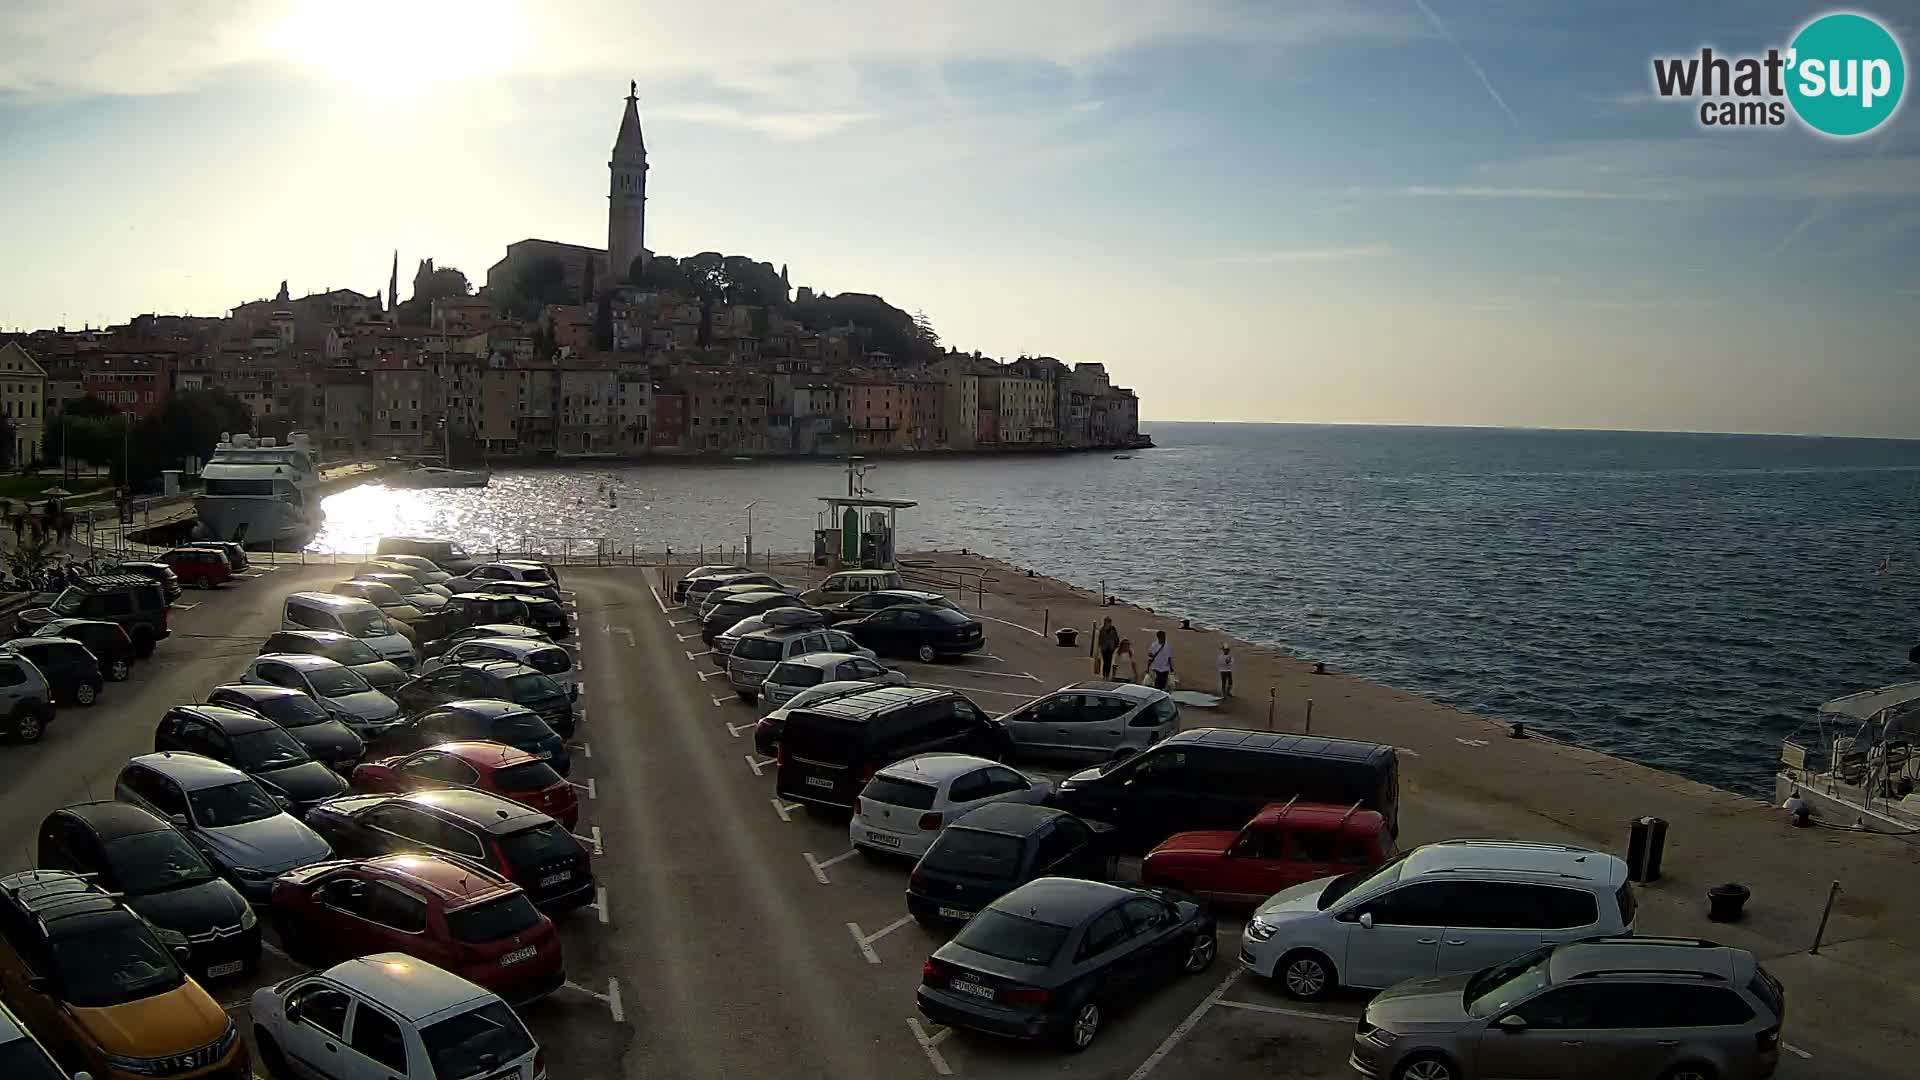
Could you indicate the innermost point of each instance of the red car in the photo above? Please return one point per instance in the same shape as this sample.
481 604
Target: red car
489 766
448 912
201 568
1284 845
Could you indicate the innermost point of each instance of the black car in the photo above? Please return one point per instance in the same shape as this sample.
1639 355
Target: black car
865 604
73 675
722 617
134 601
107 641
996 849
464 609
325 738
256 746
830 749
340 648
493 630
158 571
544 613
1053 958
504 680
925 632
489 720
162 877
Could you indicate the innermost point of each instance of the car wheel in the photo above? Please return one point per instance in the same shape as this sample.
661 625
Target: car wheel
28 727
85 693
1084 1027
1201 954
1306 974
143 643
1692 1070
119 670
747 696
925 654
1427 1067
271 1059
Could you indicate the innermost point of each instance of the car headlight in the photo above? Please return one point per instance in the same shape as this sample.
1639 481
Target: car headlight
136 1066
1260 930
168 937
251 874
248 920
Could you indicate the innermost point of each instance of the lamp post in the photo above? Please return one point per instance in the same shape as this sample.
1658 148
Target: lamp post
750 506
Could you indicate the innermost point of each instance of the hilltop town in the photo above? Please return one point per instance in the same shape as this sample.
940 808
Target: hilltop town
571 351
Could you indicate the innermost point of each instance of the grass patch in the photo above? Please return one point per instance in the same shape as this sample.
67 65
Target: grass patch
32 487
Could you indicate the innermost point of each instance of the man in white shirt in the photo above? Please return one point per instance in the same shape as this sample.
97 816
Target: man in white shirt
1225 666
1160 660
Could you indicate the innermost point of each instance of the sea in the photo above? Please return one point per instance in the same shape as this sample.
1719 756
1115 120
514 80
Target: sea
1681 600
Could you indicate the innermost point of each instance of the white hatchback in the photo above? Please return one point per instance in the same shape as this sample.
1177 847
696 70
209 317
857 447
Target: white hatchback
907 803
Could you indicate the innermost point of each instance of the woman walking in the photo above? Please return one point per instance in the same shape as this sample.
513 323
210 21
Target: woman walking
1108 640
1125 654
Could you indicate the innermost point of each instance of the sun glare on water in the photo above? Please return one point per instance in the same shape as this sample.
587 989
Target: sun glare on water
398 48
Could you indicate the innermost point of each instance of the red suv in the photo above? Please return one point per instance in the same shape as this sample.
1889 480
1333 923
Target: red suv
445 911
201 568
489 766
1284 845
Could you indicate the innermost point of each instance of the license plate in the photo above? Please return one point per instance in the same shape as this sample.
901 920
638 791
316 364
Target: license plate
956 913
231 967
973 988
820 781
556 879
517 955
883 839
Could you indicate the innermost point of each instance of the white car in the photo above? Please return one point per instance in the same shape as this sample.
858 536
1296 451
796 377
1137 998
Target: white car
789 677
339 689
423 569
907 803
390 1017
1443 909
539 654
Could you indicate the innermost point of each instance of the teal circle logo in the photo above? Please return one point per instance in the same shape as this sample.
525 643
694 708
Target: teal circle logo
1846 74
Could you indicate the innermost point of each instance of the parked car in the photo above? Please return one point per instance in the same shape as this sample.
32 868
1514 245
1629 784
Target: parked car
27 1057
198 568
338 688
1051 959
439 646
543 613
406 577
73 675
107 641
393 1017
538 653
1441 909
135 601
82 969
736 602
789 677
504 680
151 865
1286 844
528 847
326 738
696 592
907 803
448 912
488 766
757 654
424 569
349 615
240 826
830 749
256 746
159 572
490 720
995 850
514 570
1094 719
468 609
395 607
860 605
686 580
235 553
344 649
26 702
420 596
926 632
1217 778
846 584
445 554
1623 1008
721 647
766 731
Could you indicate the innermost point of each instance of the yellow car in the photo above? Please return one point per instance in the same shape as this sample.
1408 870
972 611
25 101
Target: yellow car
90 979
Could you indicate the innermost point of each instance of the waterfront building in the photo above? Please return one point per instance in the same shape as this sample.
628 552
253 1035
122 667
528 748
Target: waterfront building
23 400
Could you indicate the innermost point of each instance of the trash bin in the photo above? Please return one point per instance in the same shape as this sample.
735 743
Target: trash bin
1064 636
1646 843
1727 903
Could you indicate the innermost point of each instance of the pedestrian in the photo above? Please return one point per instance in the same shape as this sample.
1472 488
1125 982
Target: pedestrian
1225 666
19 526
1125 652
1160 660
1108 640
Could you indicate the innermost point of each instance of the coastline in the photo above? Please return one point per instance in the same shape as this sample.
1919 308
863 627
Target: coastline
674 455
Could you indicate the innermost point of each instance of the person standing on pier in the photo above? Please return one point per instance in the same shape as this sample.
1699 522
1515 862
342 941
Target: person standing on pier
1160 660
1225 666
1108 640
1125 653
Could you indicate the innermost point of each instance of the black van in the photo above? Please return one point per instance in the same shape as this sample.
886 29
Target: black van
830 749
1219 778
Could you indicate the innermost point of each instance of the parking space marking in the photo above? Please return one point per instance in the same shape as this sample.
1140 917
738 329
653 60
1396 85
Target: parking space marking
1404 750
865 941
593 838
1796 1051
783 808
685 637
717 701
976 690
627 630
1469 742
697 655
582 693
271 949
586 749
757 763
657 600
1186 1026
599 904
1275 1010
591 787
974 671
611 999
1015 625
820 868
735 729
931 1044
680 622
185 607
705 675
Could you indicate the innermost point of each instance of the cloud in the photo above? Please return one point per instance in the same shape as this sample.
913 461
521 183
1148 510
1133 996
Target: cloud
1301 255
1474 65
781 126
1485 191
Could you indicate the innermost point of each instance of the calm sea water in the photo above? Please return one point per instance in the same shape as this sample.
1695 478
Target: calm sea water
1681 600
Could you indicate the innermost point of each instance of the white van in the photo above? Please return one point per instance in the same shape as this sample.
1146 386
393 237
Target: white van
348 615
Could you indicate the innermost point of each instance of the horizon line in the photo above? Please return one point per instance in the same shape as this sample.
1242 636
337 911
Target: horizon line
1522 427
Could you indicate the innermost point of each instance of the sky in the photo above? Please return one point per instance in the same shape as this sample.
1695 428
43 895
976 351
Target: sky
1341 211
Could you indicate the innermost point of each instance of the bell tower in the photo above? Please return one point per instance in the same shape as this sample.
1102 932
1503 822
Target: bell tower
627 192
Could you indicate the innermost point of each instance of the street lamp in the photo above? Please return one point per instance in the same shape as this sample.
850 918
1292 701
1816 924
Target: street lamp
750 507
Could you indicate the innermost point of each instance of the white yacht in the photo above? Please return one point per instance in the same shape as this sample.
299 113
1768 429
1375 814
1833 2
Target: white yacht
259 491
1853 765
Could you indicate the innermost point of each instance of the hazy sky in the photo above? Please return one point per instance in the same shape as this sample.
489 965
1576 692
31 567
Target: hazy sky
1456 212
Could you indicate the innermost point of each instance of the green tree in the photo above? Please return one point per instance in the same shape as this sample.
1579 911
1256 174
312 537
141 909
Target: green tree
603 323
89 406
32 555
543 282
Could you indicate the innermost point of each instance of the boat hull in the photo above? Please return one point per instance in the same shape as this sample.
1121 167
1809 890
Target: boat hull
254 521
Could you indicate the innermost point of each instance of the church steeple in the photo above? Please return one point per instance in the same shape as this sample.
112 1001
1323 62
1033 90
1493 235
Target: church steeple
627 193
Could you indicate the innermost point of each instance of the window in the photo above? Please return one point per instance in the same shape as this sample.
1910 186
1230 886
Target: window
389 906
321 1006
443 767
1066 838
1260 843
11 674
1354 851
1419 904
1145 916
1519 906
1108 930
972 786
1001 781
1312 846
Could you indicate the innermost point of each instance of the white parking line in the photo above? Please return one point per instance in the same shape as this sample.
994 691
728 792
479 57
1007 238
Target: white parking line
600 902
1173 1037
783 808
186 607
657 600
975 690
591 787
1469 742
930 1044
593 838
976 671
680 622
1015 625
685 637
1274 1010
1796 1051
697 655
586 749
717 701
820 868
757 763
705 675
612 629
613 1001
271 949
735 729
865 941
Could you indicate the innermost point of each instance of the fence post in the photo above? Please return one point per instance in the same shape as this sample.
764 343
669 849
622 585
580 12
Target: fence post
1309 729
1046 621
1271 700
1832 891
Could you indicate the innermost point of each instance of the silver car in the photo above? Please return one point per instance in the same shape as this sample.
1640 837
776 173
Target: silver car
789 677
405 580
770 619
1624 1008
338 689
422 569
758 653
247 832
539 654
1095 719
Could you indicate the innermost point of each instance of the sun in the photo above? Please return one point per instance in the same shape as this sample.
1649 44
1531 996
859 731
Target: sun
398 48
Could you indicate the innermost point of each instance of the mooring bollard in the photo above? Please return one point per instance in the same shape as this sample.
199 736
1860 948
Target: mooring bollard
1309 729
1272 700
1046 621
1832 891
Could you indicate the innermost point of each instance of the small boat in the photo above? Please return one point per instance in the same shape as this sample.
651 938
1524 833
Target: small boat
1123 457
435 476
743 459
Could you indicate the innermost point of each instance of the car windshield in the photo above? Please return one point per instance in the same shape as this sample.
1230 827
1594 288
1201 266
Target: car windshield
337 682
231 804
895 791
268 748
362 623
349 651
549 661
476 1042
757 649
971 851
70 601
1012 937
112 965
22 1059
1362 881
493 920
527 776
1506 984
156 861
531 687
540 844
947 615
520 728
383 595
292 710
795 675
